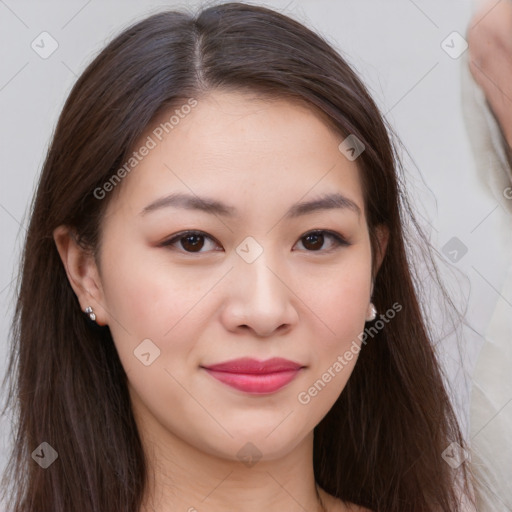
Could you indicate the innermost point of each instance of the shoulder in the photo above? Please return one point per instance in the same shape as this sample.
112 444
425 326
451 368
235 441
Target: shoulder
333 504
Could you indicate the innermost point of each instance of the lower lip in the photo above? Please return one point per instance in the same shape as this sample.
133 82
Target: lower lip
255 383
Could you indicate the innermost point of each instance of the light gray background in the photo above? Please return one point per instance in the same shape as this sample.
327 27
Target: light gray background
395 46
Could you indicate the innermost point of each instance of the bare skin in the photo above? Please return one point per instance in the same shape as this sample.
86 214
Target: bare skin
490 50
260 157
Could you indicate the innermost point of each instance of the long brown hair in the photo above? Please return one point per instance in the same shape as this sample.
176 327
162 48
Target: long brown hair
381 444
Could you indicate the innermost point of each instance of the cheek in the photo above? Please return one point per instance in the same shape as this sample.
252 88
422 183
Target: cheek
150 300
345 302
337 351
341 305
342 308
339 297
149 296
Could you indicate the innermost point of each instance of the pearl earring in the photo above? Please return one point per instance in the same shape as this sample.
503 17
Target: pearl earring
89 311
372 313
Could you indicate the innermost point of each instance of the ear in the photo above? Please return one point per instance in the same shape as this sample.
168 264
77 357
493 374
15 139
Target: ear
82 272
382 233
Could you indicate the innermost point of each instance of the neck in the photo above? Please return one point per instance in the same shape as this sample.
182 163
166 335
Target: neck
182 477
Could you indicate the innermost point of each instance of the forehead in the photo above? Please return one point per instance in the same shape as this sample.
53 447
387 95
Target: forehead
243 149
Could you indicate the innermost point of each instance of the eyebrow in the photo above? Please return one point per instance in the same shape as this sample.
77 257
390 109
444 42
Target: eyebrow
208 205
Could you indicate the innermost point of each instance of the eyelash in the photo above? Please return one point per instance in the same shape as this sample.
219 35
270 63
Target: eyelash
338 240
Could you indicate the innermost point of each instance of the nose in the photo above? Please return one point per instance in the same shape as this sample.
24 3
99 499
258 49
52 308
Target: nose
259 299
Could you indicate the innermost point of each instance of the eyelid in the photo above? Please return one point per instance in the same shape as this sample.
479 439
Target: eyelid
339 239
168 242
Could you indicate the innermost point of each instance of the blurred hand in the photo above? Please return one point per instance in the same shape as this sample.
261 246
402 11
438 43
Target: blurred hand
490 58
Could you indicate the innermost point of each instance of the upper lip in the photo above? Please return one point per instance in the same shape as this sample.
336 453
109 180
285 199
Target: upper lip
249 365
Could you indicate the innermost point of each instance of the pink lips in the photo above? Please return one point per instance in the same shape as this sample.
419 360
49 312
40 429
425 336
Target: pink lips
253 376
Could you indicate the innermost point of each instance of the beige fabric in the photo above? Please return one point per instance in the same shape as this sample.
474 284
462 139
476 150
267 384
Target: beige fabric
491 400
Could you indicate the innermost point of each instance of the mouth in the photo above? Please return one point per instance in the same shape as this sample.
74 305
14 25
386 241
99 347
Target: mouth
253 376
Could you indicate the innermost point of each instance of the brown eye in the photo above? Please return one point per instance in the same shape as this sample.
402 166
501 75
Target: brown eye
191 242
315 240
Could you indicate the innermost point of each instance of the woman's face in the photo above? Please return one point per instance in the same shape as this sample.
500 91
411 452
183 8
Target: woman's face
253 177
